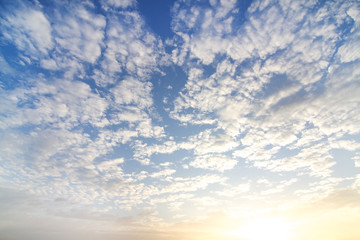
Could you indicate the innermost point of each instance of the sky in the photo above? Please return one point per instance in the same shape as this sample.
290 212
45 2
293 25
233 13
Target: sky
179 120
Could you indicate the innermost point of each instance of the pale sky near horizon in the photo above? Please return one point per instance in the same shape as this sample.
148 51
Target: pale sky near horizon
179 120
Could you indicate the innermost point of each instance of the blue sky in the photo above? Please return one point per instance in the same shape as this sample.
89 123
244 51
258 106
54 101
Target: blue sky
179 119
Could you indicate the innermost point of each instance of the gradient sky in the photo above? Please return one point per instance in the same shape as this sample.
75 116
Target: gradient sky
179 120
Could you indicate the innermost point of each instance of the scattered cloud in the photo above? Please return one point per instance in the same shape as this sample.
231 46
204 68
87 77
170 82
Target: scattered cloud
247 109
213 162
30 30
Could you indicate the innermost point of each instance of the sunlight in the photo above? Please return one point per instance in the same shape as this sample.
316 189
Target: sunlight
264 229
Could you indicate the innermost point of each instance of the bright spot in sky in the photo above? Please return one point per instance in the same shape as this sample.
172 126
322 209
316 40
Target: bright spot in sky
268 228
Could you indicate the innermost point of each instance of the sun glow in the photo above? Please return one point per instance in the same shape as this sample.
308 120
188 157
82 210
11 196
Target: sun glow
264 229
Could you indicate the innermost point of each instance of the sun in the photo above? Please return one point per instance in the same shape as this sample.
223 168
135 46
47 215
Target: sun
269 228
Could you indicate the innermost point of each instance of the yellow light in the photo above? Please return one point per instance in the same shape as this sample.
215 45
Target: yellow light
269 228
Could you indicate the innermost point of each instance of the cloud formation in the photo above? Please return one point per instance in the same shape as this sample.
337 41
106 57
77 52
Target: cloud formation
249 108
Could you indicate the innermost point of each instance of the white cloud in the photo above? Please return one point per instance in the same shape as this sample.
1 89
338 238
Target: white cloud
356 161
129 48
315 159
49 64
80 33
144 150
133 92
273 101
350 50
118 3
163 173
206 142
54 103
273 89
110 165
308 137
213 162
280 187
356 183
345 144
192 184
29 29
